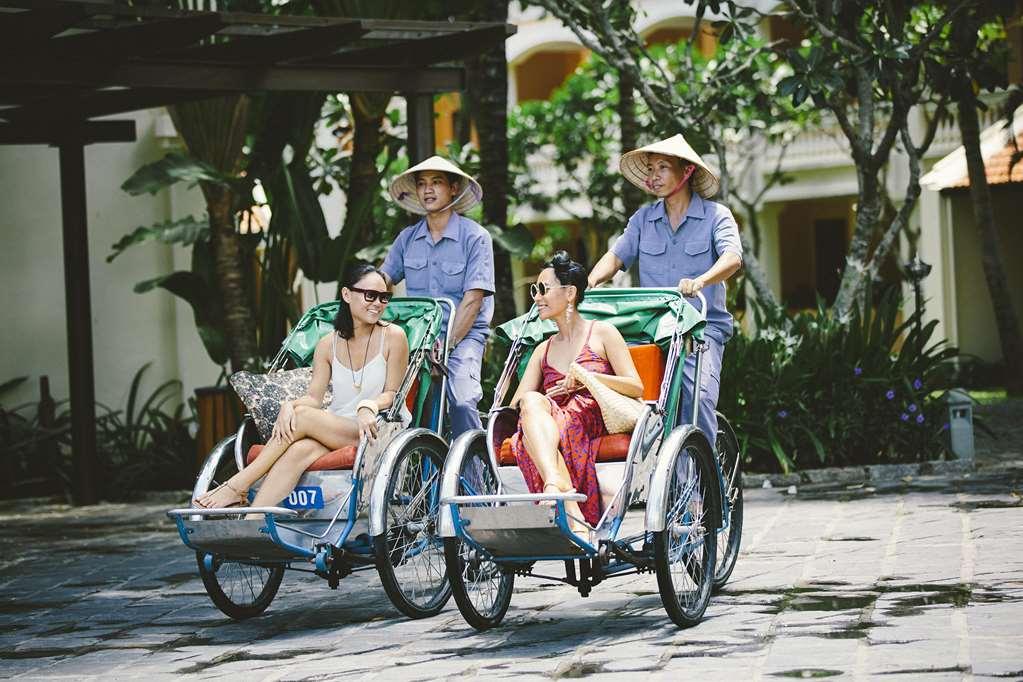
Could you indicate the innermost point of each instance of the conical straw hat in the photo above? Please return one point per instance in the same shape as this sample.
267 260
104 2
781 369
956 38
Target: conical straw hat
403 186
634 165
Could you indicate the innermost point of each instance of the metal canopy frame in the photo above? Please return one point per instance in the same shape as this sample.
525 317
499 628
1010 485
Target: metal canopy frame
63 62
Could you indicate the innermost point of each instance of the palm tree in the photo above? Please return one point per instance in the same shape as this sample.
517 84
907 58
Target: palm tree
214 131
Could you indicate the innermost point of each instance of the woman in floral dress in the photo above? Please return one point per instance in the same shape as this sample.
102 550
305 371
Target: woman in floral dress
558 418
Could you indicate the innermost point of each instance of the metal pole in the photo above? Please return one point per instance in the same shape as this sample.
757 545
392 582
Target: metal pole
79 320
419 109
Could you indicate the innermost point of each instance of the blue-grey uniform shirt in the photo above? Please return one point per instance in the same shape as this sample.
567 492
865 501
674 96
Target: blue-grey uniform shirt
665 256
461 260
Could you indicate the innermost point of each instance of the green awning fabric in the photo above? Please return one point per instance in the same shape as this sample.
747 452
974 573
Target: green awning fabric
420 318
642 315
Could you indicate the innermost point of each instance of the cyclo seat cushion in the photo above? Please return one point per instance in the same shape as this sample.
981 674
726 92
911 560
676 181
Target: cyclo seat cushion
649 360
341 459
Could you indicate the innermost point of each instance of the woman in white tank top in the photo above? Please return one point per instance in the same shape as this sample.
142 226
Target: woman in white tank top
364 361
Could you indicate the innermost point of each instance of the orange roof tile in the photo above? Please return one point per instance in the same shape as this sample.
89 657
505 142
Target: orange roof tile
997 168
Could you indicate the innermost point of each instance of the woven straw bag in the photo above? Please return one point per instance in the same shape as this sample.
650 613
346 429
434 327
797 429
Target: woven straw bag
620 411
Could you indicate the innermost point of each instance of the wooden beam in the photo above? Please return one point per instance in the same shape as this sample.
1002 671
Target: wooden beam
84 132
432 50
137 39
270 49
20 30
100 103
234 78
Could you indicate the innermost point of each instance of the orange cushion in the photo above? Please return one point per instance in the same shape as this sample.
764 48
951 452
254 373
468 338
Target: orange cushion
649 359
610 448
335 459
410 397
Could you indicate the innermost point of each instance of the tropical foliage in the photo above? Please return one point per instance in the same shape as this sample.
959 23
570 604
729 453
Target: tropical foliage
145 445
809 390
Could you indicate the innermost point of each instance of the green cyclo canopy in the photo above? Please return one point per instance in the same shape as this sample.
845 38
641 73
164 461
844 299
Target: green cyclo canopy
642 316
420 318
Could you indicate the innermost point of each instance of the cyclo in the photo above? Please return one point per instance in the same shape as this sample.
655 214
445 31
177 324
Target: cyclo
493 531
376 509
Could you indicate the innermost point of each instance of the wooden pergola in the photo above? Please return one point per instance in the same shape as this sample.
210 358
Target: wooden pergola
66 62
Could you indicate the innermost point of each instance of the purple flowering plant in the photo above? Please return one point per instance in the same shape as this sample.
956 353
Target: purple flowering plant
859 391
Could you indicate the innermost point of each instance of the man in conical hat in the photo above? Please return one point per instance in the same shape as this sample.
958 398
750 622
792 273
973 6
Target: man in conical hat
683 240
447 255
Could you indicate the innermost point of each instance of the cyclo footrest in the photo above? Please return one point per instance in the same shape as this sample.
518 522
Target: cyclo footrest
521 530
207 530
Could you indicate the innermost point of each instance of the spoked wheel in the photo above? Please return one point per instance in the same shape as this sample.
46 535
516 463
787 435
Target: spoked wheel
684 551
240 590
481 589
409 553
730 534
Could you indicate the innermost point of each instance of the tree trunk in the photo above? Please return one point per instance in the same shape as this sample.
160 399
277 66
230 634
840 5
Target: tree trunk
239 322
983 216
368 111
488 76
856 261
632 196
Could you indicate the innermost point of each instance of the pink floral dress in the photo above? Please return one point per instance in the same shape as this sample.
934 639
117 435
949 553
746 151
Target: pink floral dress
580 423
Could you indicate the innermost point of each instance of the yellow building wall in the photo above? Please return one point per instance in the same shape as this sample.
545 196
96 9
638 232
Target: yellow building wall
975 318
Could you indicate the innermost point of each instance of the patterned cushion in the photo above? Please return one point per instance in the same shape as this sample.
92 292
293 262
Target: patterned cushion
263 394
343 458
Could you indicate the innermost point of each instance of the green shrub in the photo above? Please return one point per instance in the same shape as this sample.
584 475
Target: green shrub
144 446
809 390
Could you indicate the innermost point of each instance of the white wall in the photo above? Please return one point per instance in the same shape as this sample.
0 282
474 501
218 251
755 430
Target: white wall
128 329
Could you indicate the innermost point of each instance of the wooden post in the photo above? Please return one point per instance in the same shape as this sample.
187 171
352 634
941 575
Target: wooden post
419 110
79 320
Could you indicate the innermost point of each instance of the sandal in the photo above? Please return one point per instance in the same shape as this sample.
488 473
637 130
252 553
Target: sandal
557 489
241 499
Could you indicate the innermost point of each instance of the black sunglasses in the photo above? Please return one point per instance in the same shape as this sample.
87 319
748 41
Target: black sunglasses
371 295
542 288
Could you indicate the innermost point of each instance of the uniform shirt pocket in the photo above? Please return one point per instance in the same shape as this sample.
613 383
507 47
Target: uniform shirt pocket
652 255
454 276
698 258
417 274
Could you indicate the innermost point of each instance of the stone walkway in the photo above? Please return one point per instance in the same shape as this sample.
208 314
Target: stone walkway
915 579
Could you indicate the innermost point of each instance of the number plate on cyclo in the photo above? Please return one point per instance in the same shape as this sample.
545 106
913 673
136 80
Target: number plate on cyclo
304 497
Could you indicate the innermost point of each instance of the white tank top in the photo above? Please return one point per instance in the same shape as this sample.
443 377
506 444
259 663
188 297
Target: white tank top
373 375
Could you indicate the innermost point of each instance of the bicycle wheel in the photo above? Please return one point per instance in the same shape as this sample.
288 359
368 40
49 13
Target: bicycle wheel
481 589
730 533
409 554
684 552
240 590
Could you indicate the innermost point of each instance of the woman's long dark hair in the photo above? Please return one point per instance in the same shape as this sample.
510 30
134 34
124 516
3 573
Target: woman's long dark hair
343 323
569 271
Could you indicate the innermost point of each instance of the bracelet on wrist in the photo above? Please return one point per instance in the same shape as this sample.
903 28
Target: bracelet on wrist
370 405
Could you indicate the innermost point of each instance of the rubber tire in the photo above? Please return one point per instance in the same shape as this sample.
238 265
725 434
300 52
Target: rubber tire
231 608
384 558
665 584
726 562
453 558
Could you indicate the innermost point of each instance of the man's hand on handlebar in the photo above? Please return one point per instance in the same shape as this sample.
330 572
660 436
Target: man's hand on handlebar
689 287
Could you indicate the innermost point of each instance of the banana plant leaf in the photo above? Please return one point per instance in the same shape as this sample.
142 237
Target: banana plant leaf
642 316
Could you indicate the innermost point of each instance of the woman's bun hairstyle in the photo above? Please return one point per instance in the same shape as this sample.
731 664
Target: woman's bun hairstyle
569 271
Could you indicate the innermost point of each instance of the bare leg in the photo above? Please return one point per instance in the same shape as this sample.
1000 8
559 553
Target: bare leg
542 440
324 427
287 470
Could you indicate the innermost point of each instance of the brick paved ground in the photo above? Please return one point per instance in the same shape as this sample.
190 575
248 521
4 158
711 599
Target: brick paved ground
920 579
